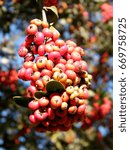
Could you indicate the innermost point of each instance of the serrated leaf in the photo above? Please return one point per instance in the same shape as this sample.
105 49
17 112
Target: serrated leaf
39 94
54 86
22 101
52 14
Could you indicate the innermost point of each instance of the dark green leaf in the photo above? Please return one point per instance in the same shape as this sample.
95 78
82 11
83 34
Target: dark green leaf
22 101
39 94
54 86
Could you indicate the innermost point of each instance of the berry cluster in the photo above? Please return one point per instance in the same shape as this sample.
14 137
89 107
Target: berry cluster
107 12
8 79
49 3
97 111
48 58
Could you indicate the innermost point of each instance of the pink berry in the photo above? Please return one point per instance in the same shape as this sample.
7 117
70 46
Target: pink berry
41 50
46 72
32 29
29 57
63 50
54 56
28 74
32 119
51 114
21 73
39 115
43 101
39 38
33 105
22 51
75 56
47 32
31 91
70 74
55 101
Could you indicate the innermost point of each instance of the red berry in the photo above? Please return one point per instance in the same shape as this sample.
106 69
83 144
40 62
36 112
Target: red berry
22 51
70 74
55 101
32 29
43 101
33 105
54 56
41 50
47 32
39 38
39 115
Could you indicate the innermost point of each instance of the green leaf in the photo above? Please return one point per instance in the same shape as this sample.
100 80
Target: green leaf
52 14
39 94
22 101
54 86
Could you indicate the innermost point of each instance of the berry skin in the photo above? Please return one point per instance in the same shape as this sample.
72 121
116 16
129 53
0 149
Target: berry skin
41 63
81 109
22 51
56 35
39 85
75 56
29 57
33 105
21 73
55 101
32 29
34 67
63 61
70 74
41 50
36 75
51 114
31 91
47 32
83 65
28 74
85 94
45 79
64 105
28 64
61 66
49 64
54 56
45 123
59 42
43 101
37 22
48 48
63 50
80 66
39 38
69 66
45 24
32 119
62 77
46 72
39 115
70 89
65 97
72 109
